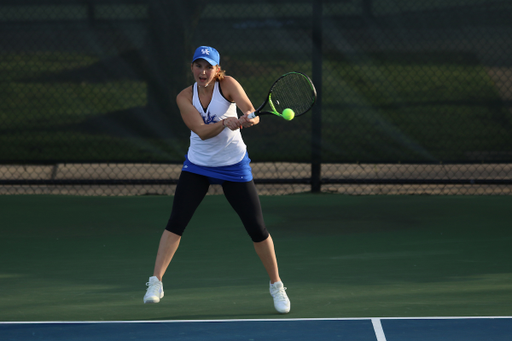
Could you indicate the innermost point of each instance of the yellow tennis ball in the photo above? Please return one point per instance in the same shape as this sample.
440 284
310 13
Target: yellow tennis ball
288 114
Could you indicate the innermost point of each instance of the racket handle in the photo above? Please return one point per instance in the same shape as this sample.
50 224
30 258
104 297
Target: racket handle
252 115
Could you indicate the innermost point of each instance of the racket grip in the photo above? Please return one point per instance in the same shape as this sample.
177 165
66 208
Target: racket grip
252 115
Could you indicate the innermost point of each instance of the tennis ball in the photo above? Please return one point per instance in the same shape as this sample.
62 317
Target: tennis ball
288 114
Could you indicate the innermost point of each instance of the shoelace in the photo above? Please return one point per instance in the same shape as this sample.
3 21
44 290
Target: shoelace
155 286
280 294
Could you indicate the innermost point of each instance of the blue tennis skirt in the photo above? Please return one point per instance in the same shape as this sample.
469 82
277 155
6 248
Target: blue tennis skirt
239 172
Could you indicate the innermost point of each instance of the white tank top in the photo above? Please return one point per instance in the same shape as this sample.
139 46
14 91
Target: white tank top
225 149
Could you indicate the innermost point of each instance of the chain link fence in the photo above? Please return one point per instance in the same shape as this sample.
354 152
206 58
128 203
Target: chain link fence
414 96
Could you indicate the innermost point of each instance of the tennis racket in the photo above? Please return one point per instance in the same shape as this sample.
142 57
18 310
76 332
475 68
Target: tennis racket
293 90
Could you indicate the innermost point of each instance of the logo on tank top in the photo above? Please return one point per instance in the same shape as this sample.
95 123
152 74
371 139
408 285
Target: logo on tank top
209 118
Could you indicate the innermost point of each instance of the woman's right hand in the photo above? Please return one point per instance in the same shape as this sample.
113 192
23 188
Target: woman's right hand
232 123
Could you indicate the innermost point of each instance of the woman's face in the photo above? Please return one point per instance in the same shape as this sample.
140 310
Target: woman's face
203 72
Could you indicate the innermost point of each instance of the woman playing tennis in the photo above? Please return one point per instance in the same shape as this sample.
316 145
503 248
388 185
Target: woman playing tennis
217 155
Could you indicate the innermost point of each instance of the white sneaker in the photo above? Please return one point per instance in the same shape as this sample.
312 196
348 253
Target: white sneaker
155 290
281 301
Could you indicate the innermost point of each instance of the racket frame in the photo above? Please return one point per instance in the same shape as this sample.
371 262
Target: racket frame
259 112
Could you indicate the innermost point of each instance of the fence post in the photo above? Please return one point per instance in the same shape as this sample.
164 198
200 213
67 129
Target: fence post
316 124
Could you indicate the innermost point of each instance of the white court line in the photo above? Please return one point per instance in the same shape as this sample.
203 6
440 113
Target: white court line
267 320
379 332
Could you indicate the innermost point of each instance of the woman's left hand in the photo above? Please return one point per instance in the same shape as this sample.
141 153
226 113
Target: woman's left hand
247 122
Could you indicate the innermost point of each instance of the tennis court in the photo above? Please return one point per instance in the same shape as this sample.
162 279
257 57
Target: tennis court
425 267
375 329
389 202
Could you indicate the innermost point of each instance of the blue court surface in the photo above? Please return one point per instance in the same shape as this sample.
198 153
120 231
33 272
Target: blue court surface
357 329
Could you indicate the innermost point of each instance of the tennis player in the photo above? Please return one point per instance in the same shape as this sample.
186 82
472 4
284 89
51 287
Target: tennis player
217 155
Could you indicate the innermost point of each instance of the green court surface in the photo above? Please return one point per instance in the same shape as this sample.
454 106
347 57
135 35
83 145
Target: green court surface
67 258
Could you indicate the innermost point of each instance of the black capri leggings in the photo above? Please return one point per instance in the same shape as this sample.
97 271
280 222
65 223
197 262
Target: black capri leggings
242 196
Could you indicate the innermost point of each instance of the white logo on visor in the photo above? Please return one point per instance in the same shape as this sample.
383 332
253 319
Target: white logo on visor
205 51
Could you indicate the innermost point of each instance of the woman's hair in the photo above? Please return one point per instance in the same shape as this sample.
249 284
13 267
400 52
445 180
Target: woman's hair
220 75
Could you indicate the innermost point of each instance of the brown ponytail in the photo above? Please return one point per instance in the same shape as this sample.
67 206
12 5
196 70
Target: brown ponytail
220 74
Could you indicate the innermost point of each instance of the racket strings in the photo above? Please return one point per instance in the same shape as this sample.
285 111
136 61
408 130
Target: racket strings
293 91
